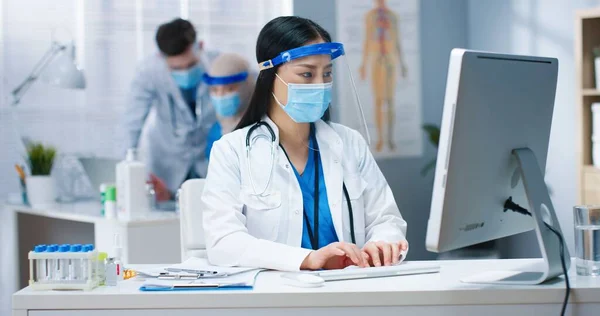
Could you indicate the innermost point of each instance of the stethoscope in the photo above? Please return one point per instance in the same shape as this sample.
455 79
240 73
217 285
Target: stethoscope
312 234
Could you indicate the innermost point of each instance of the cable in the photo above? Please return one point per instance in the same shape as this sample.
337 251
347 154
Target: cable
564 267
510 205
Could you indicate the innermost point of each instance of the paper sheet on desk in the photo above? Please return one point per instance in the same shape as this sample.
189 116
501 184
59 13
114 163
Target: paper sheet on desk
239 280
201 265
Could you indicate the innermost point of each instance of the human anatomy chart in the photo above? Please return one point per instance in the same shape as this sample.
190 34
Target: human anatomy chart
381 39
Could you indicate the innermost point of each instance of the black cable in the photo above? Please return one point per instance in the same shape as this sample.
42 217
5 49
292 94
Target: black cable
564 267
510 205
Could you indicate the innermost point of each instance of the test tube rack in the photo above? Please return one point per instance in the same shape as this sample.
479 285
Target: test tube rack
86 281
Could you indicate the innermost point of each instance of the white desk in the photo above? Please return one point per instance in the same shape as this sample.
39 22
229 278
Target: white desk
432 294
151 239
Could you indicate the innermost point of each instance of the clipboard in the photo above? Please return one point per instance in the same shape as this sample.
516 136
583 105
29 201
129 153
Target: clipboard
239 281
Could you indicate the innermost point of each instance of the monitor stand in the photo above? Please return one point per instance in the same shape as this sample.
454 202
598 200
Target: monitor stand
542 211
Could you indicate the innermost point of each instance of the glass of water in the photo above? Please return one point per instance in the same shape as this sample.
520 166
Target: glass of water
587 239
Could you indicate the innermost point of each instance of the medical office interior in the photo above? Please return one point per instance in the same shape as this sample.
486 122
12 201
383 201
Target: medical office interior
68 68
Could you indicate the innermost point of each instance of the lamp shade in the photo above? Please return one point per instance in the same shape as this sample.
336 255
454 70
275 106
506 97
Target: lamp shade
63 71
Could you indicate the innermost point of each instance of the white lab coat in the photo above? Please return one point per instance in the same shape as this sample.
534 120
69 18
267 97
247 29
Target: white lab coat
243 230
175 140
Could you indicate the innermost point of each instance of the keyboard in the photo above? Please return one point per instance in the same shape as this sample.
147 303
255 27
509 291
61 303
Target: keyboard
354 272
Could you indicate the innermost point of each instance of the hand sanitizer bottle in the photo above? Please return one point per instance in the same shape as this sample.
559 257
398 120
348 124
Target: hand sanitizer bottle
132 200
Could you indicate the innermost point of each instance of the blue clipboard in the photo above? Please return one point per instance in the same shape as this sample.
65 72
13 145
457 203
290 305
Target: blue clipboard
196 287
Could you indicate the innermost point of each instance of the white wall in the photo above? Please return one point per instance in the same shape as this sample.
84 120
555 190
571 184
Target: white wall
546 28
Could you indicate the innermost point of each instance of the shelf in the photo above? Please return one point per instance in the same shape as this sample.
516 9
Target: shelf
590 92
591 168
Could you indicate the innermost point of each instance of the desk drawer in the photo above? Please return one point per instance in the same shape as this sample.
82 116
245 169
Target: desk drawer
489 310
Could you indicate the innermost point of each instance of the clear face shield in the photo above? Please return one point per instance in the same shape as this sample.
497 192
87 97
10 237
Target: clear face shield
304 89
309 81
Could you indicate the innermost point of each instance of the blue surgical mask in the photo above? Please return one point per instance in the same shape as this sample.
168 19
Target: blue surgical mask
227 105
189 78
306 102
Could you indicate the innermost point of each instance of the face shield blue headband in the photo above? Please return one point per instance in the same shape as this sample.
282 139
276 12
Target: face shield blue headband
229 104
306 103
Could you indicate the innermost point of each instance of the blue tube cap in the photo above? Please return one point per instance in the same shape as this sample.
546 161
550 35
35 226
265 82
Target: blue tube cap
39 248
64 248
90 246
75 248
52 248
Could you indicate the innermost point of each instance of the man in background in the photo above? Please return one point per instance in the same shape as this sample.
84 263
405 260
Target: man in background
169 82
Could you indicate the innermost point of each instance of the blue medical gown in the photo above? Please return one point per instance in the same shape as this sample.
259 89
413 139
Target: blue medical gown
214 134
327 232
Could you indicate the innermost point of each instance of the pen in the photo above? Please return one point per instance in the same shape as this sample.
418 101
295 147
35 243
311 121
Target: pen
200 273
20 172
166 276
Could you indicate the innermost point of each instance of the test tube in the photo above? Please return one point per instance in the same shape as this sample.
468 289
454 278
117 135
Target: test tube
63 263
93 263
84 264
75 264
40 265
51 263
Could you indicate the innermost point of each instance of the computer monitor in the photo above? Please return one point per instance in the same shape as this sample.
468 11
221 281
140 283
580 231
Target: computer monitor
493 145
99 170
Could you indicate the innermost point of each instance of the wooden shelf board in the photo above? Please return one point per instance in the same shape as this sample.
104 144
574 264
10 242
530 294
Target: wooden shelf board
591 168
590 92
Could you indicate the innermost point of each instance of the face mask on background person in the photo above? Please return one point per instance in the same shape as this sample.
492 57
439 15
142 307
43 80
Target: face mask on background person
188 78
226 105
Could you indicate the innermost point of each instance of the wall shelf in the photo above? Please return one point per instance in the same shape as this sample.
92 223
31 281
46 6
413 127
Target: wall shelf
590 92
587 36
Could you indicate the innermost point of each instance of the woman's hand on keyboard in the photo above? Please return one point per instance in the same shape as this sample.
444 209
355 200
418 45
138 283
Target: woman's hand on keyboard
381 253
337 255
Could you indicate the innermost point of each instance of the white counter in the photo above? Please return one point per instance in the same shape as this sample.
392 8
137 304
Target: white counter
154 238
89 212
430 294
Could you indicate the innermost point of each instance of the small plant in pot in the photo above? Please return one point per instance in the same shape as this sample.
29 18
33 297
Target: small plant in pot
41 188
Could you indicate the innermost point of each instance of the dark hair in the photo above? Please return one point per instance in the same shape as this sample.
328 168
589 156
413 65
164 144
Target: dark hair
280 34
174 37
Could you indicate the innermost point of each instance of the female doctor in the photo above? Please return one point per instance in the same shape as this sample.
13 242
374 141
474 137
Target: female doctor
288 189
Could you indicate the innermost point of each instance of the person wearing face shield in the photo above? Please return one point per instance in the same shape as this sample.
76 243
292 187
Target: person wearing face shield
231 83
168 85
290 189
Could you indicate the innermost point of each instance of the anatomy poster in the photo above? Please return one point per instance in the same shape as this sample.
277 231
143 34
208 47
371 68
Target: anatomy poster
381 40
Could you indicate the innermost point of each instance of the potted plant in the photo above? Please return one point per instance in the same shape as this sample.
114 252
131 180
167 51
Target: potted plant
41 188
433 133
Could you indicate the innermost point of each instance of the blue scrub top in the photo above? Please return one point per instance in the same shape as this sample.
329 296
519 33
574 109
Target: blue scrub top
189 96
214 134
327 233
